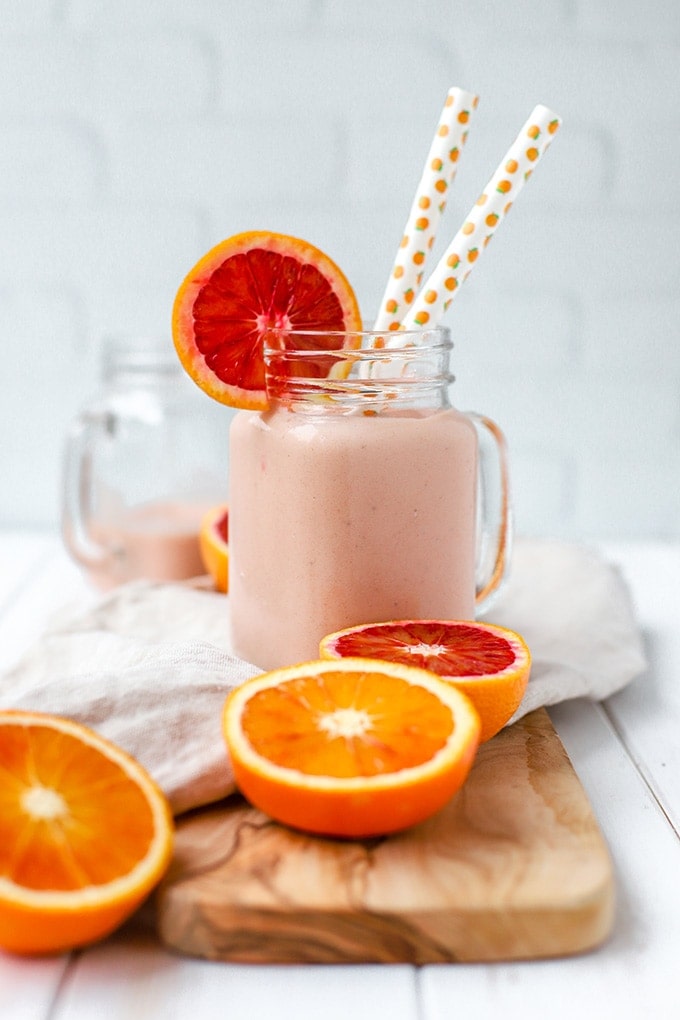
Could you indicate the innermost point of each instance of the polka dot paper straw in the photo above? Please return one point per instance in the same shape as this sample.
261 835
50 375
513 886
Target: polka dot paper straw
428 205
483 220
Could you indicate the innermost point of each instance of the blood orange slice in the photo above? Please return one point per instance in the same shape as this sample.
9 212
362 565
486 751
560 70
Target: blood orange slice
490 664
214 545
240 290
351 748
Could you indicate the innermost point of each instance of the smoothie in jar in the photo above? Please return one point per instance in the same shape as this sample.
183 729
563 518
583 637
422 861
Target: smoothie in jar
341 519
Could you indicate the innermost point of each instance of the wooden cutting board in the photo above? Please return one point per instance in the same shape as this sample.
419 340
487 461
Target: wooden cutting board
513 868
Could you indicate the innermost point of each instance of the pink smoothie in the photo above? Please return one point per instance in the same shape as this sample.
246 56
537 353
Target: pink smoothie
344 520
157 541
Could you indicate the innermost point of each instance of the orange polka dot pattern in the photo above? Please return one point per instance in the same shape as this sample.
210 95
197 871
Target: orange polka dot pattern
483 220
428 205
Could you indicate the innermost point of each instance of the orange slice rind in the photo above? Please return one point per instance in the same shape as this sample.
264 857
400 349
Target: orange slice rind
213 542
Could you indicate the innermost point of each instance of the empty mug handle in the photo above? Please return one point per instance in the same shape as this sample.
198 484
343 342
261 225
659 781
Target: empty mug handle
77 490
494 511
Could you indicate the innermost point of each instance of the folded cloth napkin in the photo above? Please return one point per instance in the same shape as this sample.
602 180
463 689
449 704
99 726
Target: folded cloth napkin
149 665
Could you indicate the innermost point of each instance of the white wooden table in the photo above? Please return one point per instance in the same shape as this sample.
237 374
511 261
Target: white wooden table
627 754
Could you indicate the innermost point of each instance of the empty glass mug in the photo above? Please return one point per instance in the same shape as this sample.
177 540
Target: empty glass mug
143 462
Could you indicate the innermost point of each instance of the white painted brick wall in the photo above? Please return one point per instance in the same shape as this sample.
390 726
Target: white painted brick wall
137 133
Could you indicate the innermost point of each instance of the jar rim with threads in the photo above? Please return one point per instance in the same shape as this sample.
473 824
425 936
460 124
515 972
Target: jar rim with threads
364 371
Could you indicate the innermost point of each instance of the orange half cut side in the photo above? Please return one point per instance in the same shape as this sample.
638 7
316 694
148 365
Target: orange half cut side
350 748
85 834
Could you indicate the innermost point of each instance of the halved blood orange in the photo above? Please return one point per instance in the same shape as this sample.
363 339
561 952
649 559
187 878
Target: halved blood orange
350 748
213 542
240 290
490 664
85 834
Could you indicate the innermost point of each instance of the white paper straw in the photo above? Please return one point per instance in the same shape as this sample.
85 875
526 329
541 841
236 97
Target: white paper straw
428 205
483 220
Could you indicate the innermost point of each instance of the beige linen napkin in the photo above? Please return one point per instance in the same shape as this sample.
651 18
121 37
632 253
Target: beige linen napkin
149 665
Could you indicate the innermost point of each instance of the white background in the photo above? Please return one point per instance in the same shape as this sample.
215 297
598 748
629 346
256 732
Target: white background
135 134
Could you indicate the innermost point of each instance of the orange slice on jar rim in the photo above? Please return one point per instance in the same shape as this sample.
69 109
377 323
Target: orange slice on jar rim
488 663
349 748
242 289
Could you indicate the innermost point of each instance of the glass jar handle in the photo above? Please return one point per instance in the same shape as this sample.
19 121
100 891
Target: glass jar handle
78 488
494 512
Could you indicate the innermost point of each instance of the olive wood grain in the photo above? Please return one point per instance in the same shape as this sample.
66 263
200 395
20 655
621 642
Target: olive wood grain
514 867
